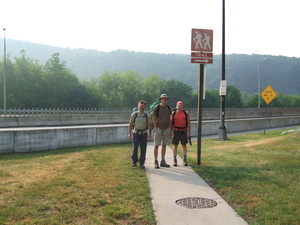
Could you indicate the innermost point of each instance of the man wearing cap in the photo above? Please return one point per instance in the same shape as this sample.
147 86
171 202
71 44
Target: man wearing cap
162 129
181 125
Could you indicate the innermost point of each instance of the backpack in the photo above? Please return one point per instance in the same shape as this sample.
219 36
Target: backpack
186 116
136 112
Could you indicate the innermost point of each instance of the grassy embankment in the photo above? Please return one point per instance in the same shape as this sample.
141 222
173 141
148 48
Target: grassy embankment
88 185
257 174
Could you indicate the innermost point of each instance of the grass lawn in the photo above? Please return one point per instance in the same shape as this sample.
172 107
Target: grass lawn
259 175
88 185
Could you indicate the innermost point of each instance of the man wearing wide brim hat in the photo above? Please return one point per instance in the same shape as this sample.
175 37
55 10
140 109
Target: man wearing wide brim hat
161 119
163 96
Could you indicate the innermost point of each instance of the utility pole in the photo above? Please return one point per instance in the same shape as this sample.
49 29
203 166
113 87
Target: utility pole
4 77
222 134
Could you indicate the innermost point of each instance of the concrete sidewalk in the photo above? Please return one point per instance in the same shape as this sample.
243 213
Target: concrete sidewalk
167 185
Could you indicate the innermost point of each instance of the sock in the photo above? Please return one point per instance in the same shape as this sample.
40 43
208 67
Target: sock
184 157
162 158
175 156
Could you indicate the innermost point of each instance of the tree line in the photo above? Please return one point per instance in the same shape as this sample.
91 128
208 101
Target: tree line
54 85
241 70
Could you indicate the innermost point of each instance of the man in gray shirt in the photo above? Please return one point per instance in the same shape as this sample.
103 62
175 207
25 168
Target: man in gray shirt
161 120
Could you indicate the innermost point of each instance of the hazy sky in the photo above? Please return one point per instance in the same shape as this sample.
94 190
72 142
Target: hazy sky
268 27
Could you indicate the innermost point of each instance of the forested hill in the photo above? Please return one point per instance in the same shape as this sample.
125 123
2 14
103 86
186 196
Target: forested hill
282 73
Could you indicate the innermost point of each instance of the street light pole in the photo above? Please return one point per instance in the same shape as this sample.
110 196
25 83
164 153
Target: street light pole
258 80
222 134
4 77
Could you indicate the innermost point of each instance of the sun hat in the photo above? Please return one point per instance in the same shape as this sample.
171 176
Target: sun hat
163 96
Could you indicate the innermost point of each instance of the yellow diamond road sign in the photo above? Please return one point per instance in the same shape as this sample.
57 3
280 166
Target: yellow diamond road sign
268 94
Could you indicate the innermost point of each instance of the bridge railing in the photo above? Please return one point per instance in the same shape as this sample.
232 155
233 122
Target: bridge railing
69 111
207 112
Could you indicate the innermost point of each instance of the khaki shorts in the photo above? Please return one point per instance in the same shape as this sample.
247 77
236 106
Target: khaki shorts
162 137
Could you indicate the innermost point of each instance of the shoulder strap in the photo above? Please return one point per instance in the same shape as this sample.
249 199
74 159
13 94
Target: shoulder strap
135 115
158 107
157 110
146 116
186 116
173 115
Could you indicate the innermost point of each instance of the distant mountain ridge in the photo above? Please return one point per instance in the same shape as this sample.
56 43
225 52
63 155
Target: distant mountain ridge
281 72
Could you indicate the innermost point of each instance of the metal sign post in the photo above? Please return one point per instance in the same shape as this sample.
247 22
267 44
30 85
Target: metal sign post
201 46
268 95
200 98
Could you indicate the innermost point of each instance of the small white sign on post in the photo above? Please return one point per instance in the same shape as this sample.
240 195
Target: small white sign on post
222 87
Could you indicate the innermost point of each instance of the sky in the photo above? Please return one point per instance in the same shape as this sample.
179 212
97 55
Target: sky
268 27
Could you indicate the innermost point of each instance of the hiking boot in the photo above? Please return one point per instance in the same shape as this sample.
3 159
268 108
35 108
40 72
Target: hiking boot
164 164
133 164
175 162
142 166
185 163
156 166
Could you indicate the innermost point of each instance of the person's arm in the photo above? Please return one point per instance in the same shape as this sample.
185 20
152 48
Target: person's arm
130 130
189 125
171 123
154 121
149 131
149 127
154 118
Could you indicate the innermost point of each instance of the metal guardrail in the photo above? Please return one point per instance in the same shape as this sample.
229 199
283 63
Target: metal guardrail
127 111
75 111
57 111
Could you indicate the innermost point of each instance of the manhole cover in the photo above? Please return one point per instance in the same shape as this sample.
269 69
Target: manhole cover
196 203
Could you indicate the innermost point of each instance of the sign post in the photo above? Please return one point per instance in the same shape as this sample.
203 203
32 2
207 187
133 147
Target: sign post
201 46
268 95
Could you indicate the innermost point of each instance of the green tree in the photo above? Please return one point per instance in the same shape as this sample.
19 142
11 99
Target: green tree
26 86
233 98
177 90
9 80
110 86
152 88
252 101
212 99
59 82
95 97
132 88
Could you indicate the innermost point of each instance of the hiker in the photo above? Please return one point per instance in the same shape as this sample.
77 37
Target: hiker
139 124
181 125
161 120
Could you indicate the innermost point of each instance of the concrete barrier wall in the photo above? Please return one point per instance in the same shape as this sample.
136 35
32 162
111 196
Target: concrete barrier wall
49 138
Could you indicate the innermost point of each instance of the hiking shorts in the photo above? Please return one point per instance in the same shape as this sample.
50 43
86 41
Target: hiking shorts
179 136
162 137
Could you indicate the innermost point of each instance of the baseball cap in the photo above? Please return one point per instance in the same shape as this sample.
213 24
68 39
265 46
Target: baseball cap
179 103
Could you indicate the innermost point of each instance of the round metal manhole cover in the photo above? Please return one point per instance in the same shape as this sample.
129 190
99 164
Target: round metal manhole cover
196 203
